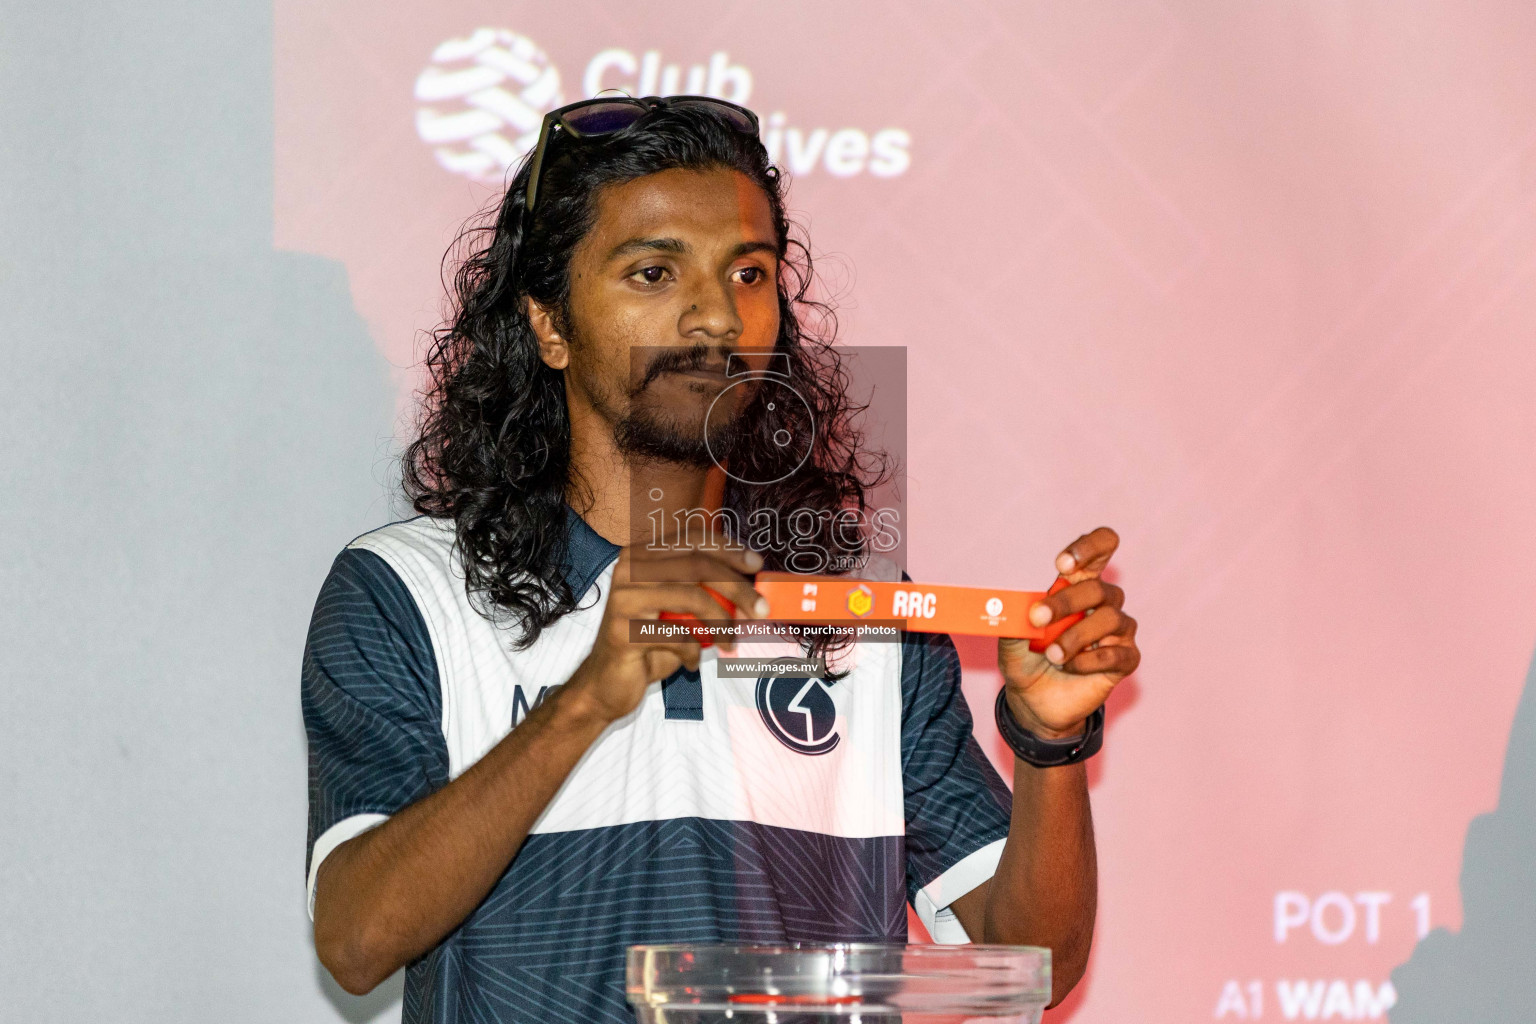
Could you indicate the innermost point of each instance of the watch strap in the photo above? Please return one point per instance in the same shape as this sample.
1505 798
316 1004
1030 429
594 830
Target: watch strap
1044 753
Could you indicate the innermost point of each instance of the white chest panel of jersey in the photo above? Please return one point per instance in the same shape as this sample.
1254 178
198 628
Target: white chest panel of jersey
796 754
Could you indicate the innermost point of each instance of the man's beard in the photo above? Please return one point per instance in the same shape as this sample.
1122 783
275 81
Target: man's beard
649 434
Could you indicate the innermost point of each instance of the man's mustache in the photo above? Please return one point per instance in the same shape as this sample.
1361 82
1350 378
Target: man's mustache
682 361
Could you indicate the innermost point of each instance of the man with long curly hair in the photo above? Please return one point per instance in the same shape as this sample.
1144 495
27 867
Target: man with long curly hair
507 788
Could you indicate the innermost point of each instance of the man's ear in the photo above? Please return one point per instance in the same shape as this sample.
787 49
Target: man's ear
552 346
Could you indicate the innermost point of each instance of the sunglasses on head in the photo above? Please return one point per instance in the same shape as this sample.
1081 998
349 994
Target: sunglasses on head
611 116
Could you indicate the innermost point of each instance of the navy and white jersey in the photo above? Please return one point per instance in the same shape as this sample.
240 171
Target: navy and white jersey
721 809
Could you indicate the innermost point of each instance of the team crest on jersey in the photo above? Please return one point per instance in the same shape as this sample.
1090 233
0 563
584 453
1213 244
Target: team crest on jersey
799 713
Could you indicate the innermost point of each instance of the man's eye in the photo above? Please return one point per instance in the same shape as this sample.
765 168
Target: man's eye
752 275
651 275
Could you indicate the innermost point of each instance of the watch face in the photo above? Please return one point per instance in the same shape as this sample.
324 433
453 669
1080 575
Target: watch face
781 445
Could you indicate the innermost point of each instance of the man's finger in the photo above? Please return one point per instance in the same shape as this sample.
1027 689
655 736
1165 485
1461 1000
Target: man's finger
1119 659
649 600
661 660
705 567
744 601
674 600
1089 553
1079 597
702 564
1108 622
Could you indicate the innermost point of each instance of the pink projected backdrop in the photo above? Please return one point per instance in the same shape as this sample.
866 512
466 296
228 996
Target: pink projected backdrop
1254 283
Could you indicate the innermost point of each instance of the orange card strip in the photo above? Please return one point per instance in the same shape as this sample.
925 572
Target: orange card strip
926 608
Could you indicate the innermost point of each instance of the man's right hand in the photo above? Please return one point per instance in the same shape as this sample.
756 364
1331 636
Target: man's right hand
613 678
385 897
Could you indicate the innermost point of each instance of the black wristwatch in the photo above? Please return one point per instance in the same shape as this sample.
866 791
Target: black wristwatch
1043 753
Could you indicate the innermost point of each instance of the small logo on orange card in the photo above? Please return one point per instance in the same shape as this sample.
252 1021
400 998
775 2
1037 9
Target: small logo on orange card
861 600
994 614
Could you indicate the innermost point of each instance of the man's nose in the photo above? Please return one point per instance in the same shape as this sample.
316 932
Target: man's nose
711 313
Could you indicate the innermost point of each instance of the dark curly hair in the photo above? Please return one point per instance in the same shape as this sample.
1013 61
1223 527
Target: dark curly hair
493 448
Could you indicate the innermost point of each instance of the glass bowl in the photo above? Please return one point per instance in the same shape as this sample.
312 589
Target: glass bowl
853 983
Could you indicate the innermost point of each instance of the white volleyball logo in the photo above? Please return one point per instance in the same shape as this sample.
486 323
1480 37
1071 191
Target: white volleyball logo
483 98
994 606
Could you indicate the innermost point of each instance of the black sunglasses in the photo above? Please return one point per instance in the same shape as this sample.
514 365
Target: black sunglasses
611 115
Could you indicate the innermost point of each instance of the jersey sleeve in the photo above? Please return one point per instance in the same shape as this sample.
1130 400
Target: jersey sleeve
957 806
372 705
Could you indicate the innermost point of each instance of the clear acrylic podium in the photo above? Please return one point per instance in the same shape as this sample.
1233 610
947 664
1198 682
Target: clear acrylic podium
846 983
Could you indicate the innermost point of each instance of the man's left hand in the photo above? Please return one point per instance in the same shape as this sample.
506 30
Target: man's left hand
1051 694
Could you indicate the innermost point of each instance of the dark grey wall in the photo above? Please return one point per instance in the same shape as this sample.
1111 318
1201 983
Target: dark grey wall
194 424
1486 973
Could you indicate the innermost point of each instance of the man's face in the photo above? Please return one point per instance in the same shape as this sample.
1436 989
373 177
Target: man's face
679 271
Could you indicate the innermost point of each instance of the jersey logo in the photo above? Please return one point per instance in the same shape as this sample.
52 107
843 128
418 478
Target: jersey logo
799 713
521 705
